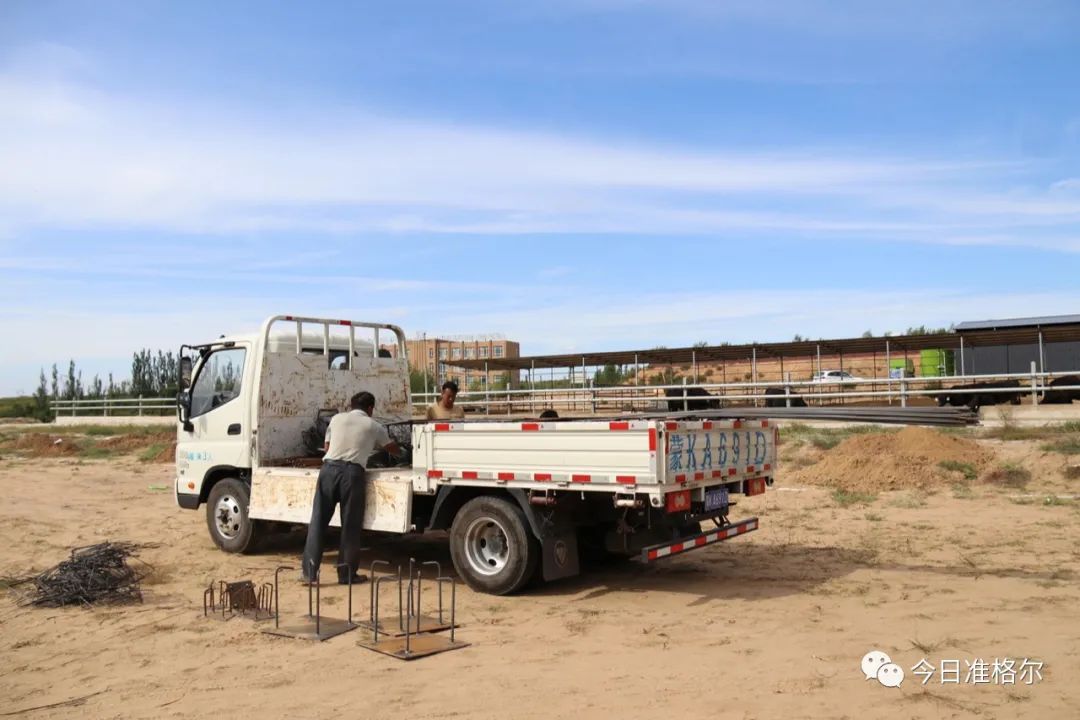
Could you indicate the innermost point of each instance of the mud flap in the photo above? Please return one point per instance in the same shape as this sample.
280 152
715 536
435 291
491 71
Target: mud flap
560 553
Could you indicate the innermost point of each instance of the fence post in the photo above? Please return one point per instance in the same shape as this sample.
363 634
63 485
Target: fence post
787 392
685 404
903 391
140 405
1034 385
105 406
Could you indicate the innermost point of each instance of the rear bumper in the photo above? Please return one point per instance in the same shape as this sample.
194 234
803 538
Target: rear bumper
658 552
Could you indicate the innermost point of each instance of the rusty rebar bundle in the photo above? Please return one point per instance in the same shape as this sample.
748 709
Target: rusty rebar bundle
98 574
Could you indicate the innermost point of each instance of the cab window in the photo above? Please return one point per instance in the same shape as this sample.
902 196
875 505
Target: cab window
218 381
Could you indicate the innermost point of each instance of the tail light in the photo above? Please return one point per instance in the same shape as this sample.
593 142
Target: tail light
680 501
755 486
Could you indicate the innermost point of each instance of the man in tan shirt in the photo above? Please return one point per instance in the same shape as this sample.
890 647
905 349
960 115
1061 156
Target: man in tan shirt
444 408
351 438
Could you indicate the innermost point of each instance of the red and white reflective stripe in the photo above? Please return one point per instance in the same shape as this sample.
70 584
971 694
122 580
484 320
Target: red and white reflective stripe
507 476
447 427
739 528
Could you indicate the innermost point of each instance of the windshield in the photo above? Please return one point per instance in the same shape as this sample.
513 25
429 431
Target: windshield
218 380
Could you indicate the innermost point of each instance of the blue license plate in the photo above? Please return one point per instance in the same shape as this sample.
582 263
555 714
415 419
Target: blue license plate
716 499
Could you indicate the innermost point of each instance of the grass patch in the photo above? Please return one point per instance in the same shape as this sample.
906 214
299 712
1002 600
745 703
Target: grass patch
152 453
845 498
967 469
1054 501
1010 431
908 500
962 491
826 438
873 517
1009 475
98 430
1065 446
95 452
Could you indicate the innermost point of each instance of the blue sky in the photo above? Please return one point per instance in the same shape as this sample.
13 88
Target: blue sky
584 175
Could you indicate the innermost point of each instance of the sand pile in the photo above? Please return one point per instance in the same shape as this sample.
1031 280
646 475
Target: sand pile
910 458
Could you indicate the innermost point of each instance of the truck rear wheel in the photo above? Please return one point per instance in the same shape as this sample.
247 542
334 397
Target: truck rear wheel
227 517
492 547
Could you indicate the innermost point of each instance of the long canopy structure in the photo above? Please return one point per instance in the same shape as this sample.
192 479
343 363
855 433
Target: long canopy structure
1019 331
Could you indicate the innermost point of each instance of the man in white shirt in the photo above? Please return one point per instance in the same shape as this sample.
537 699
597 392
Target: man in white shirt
351 438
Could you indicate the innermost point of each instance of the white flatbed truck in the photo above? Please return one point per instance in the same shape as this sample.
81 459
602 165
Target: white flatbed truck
519 498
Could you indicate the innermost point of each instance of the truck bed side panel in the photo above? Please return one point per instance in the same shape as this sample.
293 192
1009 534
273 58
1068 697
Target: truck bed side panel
285 494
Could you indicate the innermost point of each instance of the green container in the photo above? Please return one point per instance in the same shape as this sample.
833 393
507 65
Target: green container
899 367
936 363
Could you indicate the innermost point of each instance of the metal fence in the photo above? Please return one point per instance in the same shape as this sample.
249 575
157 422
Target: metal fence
114 407
590 399
644 398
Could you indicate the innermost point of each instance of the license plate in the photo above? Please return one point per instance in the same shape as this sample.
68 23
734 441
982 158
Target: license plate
716 499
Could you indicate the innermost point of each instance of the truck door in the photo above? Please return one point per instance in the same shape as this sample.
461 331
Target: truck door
220 434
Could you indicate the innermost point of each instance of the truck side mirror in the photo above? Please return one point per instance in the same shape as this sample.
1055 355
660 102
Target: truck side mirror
183 410
185 372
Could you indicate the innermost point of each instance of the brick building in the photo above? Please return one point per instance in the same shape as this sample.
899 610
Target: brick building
435 355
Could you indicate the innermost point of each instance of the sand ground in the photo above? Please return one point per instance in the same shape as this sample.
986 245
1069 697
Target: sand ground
770 625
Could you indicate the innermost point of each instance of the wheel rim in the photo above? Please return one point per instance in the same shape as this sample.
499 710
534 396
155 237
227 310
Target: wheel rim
486 546
228 516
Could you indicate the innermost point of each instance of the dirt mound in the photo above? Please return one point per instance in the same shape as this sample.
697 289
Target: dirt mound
910 458
44 445
131 443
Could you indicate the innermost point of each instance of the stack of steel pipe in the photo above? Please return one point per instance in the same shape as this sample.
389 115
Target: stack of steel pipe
947 416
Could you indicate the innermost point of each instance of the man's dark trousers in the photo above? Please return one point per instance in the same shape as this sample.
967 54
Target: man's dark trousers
341 483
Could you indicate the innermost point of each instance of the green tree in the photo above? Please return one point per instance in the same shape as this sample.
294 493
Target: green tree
421 379
70 385
42 411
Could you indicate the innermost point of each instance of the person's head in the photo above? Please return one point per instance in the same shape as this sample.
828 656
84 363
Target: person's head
363 401
449 394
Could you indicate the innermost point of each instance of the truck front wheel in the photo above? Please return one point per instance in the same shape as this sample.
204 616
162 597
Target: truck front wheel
231 528
492 547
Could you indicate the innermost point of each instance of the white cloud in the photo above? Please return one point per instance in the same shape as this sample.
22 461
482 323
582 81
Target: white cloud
75 156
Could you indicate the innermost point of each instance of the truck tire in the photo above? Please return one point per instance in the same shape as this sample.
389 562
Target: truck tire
492 547
227 516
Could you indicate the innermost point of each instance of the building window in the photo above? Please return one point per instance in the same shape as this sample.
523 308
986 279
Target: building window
483 352
470 353
442 353
456 353
498 351
431 353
